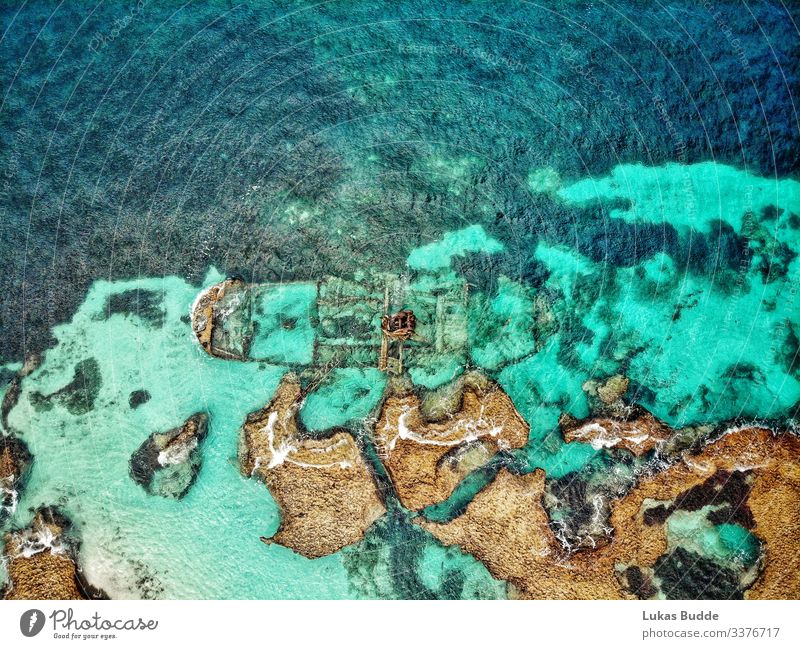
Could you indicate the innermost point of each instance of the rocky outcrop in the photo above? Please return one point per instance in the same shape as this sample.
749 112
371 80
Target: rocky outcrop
614 424
506 526
426 459
220 319
42 561
324 488
636 431
167 463
15 462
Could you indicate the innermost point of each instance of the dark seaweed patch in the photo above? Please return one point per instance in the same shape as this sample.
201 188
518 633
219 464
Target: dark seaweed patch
79 395
771 213
145 304
10 400
789 353
395 546
725 491
641 394
687 575
656 515
744 371
137 398
639 584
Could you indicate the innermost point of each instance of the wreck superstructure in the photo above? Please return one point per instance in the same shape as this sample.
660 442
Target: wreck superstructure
335 322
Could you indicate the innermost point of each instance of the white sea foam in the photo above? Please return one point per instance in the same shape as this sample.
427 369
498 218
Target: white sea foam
177 453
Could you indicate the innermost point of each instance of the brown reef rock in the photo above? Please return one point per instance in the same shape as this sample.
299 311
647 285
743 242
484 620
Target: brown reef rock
226 297
614 424
42 561
324 488
506 527
637 431
427 459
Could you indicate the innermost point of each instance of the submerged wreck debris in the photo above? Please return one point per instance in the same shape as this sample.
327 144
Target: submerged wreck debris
336 322
426 459
325 490
167 464
42 561
396 329
507 528
15 463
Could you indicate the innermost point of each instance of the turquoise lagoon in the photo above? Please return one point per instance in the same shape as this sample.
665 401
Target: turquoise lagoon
701 343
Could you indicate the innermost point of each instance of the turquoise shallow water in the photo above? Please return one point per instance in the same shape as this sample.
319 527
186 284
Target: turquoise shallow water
207 544
725 355
139 545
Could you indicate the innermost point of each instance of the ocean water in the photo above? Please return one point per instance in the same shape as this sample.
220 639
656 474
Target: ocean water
608 212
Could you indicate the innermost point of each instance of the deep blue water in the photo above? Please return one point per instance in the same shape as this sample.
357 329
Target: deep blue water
161 137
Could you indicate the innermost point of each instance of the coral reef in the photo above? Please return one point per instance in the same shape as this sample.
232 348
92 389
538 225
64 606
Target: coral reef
507 527
427 459
167 464
323 486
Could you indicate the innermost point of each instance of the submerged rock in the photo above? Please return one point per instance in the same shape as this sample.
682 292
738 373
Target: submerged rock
611 390
507 528
324 488
15 462
167 464
42 561
427 459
